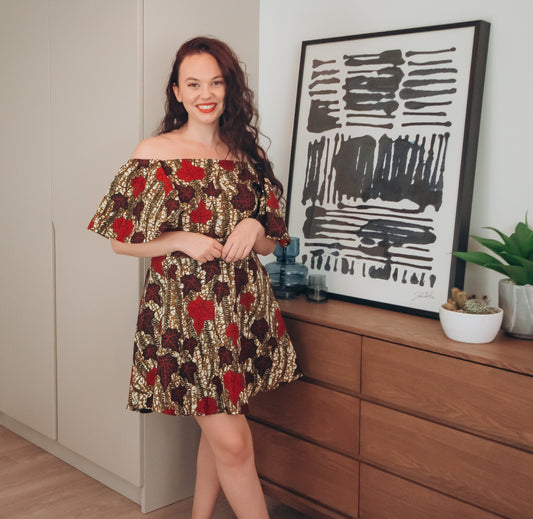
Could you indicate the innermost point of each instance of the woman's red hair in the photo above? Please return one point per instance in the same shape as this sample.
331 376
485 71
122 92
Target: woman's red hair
238 123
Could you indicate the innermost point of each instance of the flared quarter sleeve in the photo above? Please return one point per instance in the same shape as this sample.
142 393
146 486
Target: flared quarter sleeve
271 216
138 206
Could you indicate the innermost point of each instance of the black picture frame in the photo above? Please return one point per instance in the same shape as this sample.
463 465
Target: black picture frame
383 158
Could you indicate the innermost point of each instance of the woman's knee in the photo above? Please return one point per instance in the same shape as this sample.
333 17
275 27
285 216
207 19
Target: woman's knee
230 440
234 449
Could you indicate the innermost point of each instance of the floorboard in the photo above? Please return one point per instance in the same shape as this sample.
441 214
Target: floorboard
36 485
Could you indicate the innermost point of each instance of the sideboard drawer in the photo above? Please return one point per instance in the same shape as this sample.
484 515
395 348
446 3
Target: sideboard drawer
496 477
325 476
384 496
490 401
327 355
312 412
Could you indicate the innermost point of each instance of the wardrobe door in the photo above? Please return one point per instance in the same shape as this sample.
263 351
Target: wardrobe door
27 347
95 126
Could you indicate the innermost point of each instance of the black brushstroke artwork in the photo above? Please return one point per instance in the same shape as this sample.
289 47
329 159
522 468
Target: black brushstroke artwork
367 195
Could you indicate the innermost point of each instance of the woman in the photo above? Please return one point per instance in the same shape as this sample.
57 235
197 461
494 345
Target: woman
201 200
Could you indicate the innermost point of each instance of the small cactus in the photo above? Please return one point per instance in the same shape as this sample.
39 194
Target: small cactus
476 306
462 302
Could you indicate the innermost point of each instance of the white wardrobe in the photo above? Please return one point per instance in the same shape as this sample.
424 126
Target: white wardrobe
81 82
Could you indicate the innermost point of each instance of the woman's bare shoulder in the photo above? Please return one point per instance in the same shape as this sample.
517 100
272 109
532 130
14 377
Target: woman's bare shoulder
159 147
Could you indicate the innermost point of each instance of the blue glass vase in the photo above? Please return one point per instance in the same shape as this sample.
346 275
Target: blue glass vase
288 277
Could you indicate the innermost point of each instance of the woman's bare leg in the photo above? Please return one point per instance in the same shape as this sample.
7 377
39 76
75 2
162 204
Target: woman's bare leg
230 440
207 487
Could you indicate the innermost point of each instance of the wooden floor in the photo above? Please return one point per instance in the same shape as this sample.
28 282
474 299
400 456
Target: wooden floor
36 485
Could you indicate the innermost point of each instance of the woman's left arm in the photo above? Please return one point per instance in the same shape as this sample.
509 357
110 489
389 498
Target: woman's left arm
248 234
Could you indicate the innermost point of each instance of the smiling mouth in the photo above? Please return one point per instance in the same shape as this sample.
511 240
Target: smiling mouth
205 109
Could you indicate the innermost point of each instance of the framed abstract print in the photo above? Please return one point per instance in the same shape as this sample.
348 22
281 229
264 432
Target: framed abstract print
383 159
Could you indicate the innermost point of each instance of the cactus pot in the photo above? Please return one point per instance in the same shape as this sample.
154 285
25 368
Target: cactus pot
517 304
473 328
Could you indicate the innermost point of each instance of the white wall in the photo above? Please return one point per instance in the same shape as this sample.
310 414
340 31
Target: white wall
504 180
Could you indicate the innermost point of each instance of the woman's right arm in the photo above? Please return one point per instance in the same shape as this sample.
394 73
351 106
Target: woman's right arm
197 246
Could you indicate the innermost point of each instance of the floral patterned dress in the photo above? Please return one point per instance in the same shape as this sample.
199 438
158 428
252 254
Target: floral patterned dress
209 336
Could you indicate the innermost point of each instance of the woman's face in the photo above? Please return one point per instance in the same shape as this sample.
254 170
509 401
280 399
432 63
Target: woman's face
201 88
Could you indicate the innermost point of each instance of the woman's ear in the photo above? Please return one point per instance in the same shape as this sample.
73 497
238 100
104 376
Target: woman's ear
176 92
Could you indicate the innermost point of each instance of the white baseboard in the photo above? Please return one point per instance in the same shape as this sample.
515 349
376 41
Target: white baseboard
86 466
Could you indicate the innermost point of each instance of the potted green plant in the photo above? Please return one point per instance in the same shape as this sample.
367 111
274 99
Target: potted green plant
467 318
515 292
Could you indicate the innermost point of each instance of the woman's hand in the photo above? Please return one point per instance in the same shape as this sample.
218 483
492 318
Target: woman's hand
198 246
242 239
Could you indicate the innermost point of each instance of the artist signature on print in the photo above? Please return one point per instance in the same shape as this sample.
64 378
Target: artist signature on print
423 294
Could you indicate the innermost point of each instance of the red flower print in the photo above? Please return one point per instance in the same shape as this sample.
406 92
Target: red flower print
138 209
172 204
123 228
150 352
260 328
150 376
232 331
170 339
152 293
91 225
201 214
244 200
172 271
228 165
211 268
138 183
190 344
248 349
177 394
234 383
284 242
281 323
224 356
190 283
218 385
166 366
189 172
275 225
185 193
273 201
207 406
187 370
170 412
138 237
157 264
211 190
241 279
201 310
162 177
119 201
247 298
220 289
272 344
262 363
145 321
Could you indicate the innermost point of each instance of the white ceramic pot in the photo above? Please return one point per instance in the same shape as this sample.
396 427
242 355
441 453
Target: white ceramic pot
517 304
473 328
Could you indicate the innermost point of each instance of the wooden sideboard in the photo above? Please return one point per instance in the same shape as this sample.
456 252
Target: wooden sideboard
393 420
